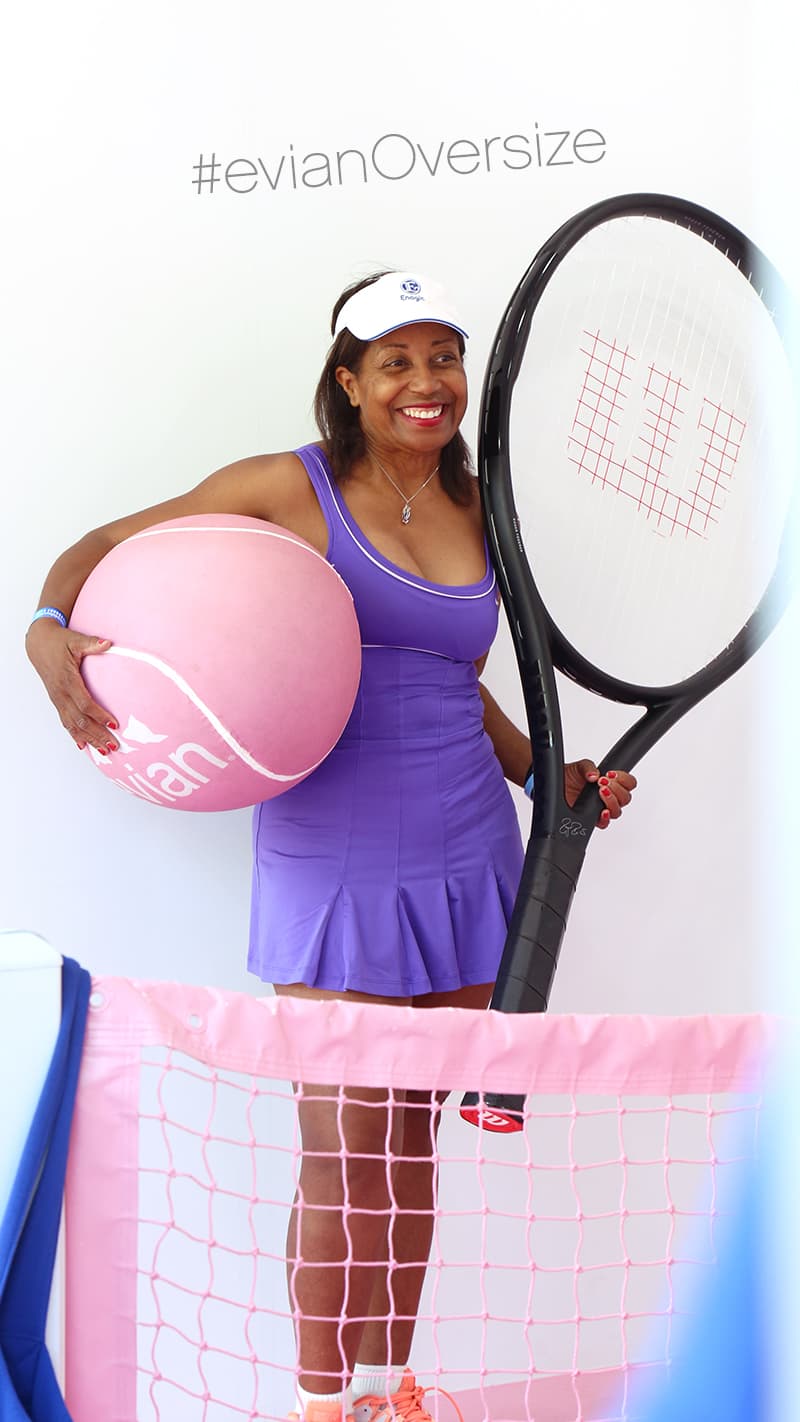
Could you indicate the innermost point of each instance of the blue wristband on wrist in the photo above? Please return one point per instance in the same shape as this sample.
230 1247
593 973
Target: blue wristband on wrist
53 612
528 786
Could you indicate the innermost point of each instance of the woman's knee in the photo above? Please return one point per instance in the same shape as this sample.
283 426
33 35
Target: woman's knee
361 1121
421 1123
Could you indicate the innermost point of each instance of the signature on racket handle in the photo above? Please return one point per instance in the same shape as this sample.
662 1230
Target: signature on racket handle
535 934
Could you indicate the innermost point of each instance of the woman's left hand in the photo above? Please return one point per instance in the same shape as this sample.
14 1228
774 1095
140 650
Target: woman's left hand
615 787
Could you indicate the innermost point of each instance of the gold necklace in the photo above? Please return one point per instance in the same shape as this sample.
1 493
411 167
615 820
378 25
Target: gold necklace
408 499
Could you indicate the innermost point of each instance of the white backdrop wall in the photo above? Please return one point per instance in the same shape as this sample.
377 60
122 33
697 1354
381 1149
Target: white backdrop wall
161 319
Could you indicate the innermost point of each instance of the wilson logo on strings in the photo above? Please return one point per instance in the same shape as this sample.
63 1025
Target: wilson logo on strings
669 409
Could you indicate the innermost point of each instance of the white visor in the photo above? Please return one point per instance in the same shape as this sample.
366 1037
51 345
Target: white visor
397 299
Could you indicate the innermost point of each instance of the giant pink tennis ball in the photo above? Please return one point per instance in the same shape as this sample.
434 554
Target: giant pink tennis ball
234 663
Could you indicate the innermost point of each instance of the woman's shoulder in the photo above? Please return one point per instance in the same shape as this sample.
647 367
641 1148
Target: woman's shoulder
283 465
277 487
266 479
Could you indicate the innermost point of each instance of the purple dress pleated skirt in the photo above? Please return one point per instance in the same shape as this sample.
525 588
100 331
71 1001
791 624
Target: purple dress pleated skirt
393 868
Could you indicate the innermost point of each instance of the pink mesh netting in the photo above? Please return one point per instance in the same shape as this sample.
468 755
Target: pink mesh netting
560 1257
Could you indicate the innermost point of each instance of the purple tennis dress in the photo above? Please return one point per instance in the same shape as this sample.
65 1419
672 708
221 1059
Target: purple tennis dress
393 868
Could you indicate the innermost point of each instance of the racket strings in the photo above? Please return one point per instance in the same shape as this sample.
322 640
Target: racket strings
643 461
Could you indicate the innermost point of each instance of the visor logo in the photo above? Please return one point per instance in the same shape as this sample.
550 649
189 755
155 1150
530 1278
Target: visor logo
411 287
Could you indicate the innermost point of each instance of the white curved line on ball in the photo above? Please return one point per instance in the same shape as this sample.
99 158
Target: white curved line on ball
224 734
287 537
225 528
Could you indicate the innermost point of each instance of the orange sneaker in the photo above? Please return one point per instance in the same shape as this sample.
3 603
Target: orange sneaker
405 1405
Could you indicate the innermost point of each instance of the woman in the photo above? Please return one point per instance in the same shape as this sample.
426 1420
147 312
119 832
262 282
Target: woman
389 874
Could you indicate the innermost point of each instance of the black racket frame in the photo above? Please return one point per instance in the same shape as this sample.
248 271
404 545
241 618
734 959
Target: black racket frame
560 833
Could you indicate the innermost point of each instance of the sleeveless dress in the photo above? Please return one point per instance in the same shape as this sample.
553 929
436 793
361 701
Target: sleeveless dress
392 869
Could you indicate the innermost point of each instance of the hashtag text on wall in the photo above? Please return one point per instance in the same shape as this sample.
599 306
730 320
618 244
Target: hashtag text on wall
394 157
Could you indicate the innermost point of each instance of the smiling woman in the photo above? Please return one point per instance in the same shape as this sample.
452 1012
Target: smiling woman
423 356
390 407
410 391
390 873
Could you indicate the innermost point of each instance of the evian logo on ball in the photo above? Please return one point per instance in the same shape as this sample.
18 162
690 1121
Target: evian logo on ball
174 777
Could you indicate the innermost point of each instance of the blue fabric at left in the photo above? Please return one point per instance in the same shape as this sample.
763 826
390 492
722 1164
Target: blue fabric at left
29 1391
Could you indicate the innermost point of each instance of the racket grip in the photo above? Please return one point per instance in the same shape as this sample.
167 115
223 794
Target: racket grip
535 934
539 921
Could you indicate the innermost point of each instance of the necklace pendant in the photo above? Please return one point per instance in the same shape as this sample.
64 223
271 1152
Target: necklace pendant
406 514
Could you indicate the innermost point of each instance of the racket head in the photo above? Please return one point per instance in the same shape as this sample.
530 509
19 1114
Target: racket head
638 449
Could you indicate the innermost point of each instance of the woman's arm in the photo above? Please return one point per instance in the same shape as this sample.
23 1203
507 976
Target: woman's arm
513 750
250 487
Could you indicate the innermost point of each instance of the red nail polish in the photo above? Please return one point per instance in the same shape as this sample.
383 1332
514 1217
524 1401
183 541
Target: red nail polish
612 774
101 750
112 725
81 745
110 747
605 791
603 780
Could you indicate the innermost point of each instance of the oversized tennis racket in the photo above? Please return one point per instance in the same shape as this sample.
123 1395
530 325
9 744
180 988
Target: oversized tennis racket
637 506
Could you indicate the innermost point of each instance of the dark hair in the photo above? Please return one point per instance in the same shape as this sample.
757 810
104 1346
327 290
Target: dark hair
339 422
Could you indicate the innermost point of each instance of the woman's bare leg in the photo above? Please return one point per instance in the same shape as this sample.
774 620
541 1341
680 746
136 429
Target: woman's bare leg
399 1283
338 1227
406 1244
332 1251
351 1272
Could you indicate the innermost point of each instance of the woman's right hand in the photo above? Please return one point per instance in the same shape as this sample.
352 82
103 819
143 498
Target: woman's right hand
56 653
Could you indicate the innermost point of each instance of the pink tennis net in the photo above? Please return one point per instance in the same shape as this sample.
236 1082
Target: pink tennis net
562 1257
